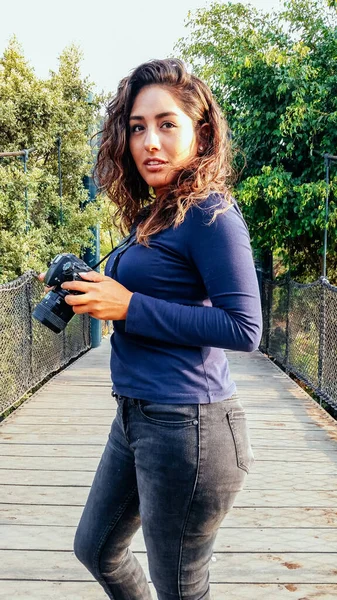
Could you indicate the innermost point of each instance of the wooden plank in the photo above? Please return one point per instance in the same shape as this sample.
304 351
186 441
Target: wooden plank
291 445
64 419
105 419
315 435
55 450
280 425
63 405
288 497
27 514
46 463
298 567
259 469
234 567
286 454
51 590
76 496
279 481
60 430
54 411
60 496
44 478
281 517
62 395
299 436
273 540
269 479
91 438
52 566
47 538
54 439
253 414
69 590
284 412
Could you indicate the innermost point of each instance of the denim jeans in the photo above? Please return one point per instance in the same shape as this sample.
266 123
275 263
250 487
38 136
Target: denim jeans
175 470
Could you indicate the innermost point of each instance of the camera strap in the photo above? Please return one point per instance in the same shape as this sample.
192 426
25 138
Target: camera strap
122 246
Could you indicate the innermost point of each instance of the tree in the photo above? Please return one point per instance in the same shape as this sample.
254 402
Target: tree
34 113
274 75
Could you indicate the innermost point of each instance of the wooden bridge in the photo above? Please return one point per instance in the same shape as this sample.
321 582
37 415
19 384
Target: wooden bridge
279 542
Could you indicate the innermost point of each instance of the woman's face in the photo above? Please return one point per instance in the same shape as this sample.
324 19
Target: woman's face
162 136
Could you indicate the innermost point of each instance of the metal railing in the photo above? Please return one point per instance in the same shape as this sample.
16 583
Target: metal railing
29 351
300 332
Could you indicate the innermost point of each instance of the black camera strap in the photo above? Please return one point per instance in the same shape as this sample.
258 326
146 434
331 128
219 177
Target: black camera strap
122 246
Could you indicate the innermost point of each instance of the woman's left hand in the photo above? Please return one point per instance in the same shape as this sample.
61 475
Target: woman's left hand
102 297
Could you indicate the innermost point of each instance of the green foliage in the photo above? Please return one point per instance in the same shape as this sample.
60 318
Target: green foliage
33 113
274 74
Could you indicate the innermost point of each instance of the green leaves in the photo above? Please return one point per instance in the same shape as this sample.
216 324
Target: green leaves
274 75
33 113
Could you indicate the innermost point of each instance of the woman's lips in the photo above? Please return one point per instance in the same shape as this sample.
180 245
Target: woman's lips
154 165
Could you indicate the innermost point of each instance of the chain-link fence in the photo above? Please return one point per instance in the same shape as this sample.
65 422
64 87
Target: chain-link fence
29 351
300 332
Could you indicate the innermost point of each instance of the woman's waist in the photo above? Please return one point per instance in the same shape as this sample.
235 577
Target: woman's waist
171 371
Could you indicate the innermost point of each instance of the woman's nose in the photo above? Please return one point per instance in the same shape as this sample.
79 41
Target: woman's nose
151 141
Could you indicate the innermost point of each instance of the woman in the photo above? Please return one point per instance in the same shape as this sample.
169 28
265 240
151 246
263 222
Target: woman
180 290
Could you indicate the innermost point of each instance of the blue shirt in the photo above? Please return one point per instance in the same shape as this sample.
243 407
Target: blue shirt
195 294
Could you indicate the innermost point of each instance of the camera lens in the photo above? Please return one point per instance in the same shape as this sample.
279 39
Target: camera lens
53 311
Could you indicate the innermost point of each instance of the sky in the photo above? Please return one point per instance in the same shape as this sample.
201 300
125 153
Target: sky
114 36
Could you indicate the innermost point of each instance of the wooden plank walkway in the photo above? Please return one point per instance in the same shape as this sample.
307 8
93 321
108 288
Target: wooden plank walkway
279 541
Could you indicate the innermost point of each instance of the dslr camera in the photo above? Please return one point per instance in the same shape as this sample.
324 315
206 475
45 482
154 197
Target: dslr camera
53 311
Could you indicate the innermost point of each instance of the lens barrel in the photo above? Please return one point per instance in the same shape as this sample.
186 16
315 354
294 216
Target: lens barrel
53 311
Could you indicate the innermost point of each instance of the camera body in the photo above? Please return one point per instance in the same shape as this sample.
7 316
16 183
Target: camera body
53 311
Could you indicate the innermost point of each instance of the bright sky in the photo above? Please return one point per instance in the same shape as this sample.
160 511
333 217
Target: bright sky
114 36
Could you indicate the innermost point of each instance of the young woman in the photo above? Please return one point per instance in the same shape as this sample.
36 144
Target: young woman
180 289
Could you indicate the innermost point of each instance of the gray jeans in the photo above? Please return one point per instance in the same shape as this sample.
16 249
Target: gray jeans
174 469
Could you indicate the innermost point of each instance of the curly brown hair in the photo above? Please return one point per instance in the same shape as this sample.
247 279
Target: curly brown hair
116 173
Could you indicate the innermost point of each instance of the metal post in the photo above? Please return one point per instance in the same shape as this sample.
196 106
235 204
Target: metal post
327 181
92 256
59 143
25 158
328 158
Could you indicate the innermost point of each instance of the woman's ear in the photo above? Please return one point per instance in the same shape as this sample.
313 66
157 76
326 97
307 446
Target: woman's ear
203 137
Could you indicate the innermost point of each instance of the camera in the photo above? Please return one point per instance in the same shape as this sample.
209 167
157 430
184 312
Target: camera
53 311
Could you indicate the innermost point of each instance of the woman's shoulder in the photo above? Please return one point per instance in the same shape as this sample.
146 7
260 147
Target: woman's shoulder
220 212
217 198
216 203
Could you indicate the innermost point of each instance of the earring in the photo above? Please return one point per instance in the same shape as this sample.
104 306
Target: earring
201 148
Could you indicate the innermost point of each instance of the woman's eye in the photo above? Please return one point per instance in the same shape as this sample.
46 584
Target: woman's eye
136 128
168 125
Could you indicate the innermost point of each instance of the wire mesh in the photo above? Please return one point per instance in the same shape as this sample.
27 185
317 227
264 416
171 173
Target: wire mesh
300 332
329 366
278 322
29 351
304 331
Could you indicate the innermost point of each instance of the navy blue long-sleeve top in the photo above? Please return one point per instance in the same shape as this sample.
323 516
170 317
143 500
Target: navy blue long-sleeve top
195 294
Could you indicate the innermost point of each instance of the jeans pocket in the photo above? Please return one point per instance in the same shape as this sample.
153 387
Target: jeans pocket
238 424
169 415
